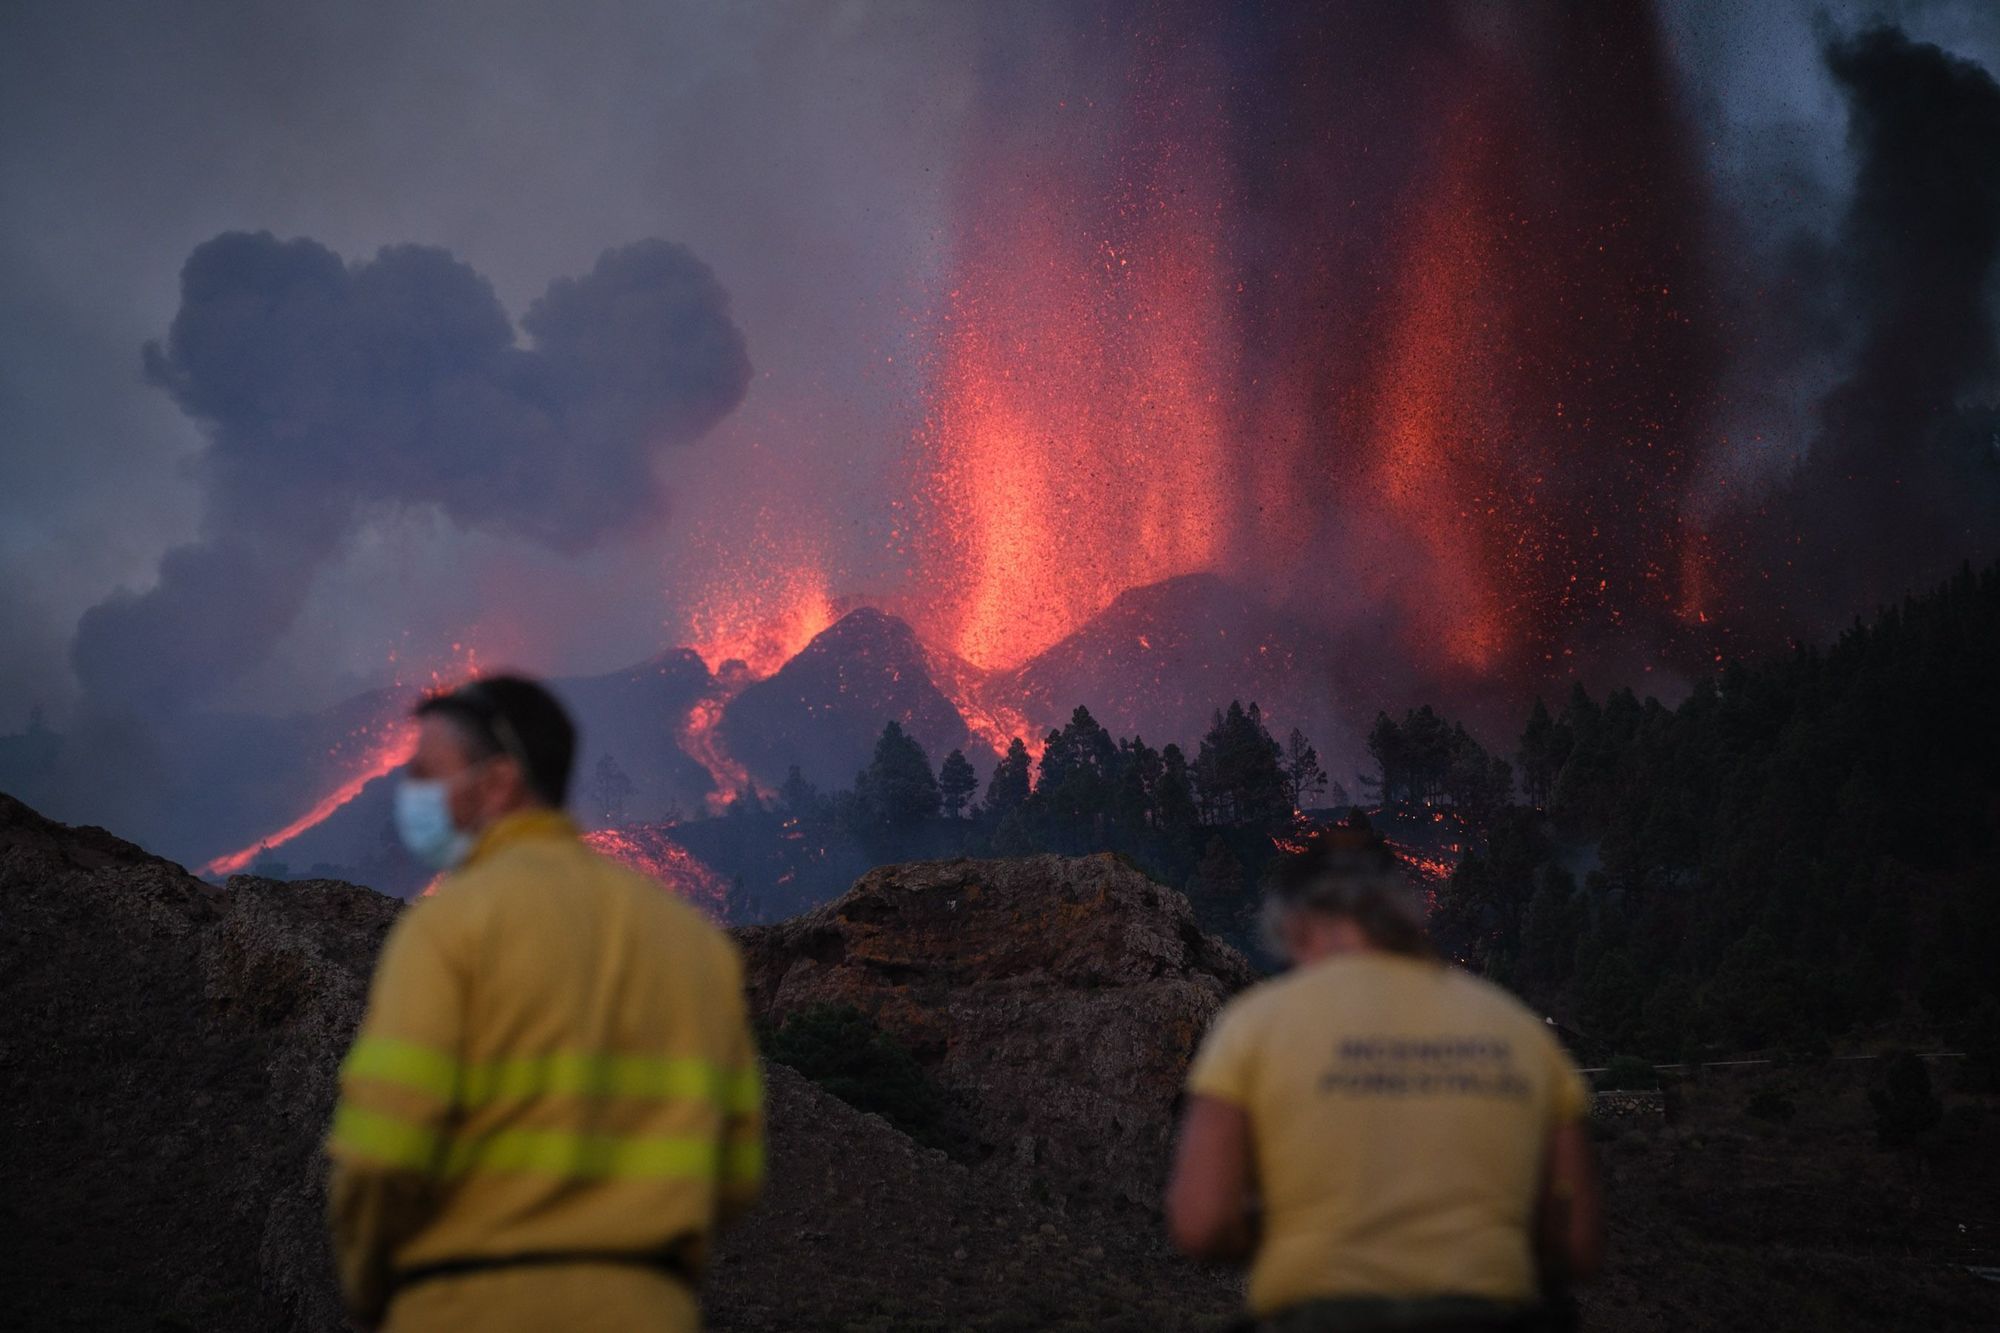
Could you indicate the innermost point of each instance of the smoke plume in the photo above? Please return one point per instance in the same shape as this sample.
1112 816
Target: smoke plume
329 390
1902 480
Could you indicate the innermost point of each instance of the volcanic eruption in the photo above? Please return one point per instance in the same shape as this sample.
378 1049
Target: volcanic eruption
1396 325
1339 358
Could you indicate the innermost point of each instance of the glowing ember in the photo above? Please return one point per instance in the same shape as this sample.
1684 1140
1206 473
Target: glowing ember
651 850
761 622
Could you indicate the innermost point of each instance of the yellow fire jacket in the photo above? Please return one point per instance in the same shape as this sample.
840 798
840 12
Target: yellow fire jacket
555 1061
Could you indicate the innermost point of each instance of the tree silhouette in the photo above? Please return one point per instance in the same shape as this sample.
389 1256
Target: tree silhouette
1007 789
1304 778
956 782
897 790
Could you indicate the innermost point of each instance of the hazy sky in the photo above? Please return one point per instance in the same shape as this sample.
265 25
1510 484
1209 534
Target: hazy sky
805 151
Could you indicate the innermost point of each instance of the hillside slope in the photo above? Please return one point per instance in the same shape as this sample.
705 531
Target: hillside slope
167 1057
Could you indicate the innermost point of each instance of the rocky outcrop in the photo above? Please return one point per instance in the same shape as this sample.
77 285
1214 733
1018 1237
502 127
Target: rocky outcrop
167 1061
169 1057
1059 998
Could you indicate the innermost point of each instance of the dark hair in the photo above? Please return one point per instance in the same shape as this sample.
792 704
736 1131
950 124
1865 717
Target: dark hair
1349 870
516 717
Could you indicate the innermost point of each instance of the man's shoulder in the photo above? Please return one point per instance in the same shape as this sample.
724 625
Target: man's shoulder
1268 1000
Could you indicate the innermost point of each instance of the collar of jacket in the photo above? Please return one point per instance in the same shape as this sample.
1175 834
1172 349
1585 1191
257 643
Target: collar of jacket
521 826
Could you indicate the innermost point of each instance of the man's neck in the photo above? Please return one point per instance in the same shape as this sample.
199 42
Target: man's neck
1333 937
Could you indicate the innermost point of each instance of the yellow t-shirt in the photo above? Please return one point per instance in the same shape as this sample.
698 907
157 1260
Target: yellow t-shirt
1399 1113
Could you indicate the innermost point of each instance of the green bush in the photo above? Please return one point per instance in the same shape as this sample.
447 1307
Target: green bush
840 1048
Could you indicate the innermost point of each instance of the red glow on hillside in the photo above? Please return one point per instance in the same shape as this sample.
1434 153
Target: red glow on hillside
701 739
989 716
651 850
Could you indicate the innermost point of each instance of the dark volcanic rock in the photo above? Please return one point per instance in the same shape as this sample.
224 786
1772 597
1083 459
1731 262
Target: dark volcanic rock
1161 659
863 1229
167 1062
824 709
1060 998
169 1056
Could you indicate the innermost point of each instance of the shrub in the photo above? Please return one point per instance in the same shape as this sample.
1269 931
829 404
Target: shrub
840 1048
1772 1105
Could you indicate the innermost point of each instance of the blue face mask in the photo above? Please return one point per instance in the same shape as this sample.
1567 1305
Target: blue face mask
423 822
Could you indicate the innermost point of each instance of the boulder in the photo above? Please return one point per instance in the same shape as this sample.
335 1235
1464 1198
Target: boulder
1059 998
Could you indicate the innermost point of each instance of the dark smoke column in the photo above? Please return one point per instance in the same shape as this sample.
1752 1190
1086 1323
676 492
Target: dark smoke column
326 387
1902 481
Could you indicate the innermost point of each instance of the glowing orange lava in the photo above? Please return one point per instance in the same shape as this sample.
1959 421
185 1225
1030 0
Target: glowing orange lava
383 748
377 748
701 741
1438 404
1077 430
763 617
988 716
651 850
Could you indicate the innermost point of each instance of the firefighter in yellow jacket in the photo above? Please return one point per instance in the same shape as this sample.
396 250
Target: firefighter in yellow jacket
553 1102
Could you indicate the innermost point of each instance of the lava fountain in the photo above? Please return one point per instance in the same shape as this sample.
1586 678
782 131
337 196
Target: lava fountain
1077 431
1387 318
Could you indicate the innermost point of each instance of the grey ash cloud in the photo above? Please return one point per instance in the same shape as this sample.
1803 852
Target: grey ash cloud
328 389
1901 478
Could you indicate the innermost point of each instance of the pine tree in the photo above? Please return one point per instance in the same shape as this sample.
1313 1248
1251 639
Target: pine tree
1007 789
897 790
1304 778
956 782
800 798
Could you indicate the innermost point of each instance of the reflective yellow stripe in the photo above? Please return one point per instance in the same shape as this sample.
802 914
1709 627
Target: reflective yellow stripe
573 1075
430 1071
602 1156
387 1060
383 1138
397 1142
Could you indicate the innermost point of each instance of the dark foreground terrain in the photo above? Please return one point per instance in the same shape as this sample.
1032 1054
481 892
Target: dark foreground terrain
166 1070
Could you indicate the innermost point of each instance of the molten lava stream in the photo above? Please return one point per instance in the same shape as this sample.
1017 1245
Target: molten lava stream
701 741
385 754
648 849
993 721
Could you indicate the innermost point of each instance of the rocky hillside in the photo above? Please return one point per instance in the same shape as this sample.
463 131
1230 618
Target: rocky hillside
167 1057
167 1054
1060 999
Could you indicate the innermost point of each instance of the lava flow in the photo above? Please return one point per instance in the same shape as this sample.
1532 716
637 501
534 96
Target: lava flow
379 748
651 850
383 748
701 739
